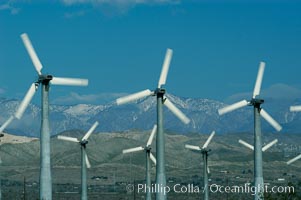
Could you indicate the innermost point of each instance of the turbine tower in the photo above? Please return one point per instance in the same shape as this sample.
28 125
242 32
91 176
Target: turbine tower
1 135
44 80
84 158
204 150
256 102
149 156
159 92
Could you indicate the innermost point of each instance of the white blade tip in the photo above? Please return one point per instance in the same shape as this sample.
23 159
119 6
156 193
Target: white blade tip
192 147
90 131
295 108
259 79
66 138
177 112
209 140
165 68
151 137
232 107
133 150
270 120
134 97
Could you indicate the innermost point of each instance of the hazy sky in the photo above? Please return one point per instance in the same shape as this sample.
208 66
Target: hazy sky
120 46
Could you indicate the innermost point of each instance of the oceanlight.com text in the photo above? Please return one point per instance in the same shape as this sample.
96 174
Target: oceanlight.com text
247 188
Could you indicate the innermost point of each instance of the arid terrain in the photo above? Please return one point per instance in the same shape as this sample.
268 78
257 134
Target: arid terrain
230 164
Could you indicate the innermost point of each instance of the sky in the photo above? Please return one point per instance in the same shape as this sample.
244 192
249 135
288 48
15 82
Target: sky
119 45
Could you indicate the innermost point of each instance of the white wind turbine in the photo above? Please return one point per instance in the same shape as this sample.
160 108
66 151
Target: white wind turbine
204 150
84 158
294 109
44 80
159 92
149 156
256 102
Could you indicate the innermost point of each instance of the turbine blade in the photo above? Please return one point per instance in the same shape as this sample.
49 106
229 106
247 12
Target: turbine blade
192 147
6 123
66 138
69 81
266 147
176 111
151 137
34 58
165 68
269 119
259 79
152 157
293 160
133 97
232 107
295 108
90 131
88 164
25 101
133 150
246 144
208 140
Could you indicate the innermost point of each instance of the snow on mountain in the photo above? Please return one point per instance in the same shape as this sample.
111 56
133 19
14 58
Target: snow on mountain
141 115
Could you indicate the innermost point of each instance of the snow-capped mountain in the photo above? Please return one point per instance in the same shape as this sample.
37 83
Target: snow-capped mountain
142 115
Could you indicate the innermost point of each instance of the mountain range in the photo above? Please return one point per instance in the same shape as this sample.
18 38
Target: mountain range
142 115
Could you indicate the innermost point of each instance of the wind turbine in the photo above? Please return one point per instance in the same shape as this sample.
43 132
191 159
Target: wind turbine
204 150
266 147
149 156
84 158
256 102
44 80
159 92
294 109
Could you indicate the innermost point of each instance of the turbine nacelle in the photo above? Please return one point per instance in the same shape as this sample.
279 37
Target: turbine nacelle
159 91
205 151
147 148
44 78
83 143
256 102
